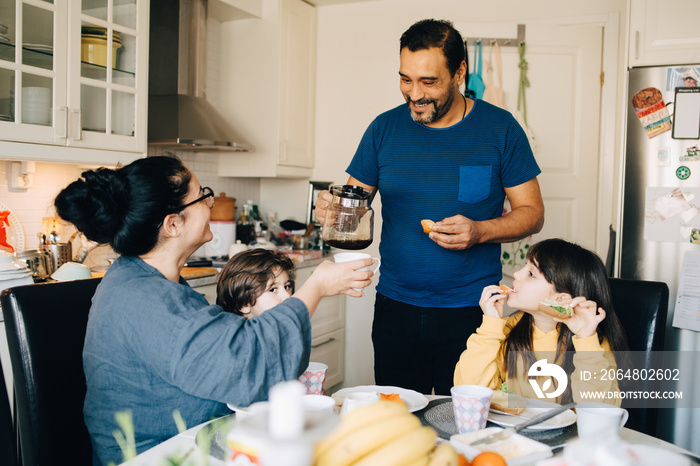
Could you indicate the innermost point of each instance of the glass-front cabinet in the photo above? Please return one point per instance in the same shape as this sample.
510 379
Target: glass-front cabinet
74 74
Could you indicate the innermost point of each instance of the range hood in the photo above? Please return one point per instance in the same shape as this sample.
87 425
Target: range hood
179 116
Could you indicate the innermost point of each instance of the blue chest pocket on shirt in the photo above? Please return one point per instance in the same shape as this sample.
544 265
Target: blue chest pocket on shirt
474 183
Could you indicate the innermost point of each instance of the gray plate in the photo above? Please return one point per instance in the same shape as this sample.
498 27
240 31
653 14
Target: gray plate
440 416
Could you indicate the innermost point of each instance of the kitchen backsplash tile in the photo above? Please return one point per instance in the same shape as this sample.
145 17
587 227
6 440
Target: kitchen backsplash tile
36 202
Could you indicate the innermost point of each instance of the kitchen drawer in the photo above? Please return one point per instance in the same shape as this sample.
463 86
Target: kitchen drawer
330 313
329 349
208 291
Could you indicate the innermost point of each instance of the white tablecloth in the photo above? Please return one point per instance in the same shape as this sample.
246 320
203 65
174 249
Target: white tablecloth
185 442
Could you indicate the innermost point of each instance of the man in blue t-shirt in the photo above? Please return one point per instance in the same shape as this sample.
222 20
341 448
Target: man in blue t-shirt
453 160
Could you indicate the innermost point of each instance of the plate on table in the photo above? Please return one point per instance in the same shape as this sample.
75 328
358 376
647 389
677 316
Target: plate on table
414 400
15 233
532 409
596 450
517 450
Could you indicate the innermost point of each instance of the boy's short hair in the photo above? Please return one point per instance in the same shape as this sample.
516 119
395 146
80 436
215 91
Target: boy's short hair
246 275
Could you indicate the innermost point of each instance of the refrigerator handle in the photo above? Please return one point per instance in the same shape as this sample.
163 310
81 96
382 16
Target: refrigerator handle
636 45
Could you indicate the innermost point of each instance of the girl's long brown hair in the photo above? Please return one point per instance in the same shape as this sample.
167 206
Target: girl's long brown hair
575 270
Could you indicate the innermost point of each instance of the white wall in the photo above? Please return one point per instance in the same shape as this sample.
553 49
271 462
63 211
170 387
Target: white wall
357 78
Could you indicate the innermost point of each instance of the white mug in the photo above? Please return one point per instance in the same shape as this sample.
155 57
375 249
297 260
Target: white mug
594 418
353 256
357 399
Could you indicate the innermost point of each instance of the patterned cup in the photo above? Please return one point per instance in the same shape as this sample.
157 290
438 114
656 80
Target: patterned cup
314 377
471 406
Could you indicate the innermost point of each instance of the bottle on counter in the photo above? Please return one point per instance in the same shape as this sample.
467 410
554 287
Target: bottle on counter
245 228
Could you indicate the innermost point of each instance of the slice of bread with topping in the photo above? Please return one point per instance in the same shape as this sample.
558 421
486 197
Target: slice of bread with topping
556 309
508 402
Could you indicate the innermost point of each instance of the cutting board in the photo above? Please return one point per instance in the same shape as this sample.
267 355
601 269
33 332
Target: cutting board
186 272
197 272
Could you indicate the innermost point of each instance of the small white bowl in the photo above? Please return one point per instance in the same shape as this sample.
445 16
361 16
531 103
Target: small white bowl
71 271
318 403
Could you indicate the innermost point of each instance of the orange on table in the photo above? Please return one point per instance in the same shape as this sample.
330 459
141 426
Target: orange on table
392 397
488 458
462 460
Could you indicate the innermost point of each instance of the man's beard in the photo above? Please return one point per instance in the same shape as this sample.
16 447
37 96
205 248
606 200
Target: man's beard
438 110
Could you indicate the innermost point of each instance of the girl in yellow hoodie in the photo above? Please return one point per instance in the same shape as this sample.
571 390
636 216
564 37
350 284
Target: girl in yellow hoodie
584 345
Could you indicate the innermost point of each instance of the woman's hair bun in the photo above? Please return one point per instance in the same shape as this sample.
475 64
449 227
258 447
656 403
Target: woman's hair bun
95 204
124 206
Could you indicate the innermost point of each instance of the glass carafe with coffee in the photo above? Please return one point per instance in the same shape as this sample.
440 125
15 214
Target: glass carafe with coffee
349 219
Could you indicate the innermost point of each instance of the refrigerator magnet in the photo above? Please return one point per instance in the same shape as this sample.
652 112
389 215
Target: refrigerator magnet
663 158
683 172
692 154
652 111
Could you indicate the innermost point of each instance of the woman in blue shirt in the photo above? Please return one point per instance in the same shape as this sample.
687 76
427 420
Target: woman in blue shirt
154 345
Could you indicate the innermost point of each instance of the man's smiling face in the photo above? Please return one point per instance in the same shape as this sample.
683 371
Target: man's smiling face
426 84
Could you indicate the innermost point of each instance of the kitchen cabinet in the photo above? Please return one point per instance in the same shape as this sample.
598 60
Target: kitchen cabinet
65 95
327 331
663 32
268 68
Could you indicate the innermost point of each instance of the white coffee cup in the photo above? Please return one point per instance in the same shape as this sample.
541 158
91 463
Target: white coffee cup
595 418
357 399
353 256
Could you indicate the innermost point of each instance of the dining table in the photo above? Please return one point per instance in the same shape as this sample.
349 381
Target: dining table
185 444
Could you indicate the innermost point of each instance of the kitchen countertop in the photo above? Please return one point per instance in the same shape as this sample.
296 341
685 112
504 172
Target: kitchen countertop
218 264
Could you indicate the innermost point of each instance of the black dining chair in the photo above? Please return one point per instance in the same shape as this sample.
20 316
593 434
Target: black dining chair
45 325
8 439
642 307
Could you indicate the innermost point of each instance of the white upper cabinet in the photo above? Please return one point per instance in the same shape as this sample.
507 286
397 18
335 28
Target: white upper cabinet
65 95
664 32
268 71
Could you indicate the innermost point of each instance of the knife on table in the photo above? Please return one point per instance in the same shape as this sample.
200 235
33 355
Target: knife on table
505 433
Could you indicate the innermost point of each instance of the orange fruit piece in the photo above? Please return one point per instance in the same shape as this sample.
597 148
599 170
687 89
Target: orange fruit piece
427 225
392 397
488 458
505 289
462 460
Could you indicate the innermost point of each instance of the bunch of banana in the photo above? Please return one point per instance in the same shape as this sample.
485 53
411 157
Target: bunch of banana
381 434
444 455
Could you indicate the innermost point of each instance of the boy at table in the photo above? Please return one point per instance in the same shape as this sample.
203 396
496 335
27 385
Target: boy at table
254 281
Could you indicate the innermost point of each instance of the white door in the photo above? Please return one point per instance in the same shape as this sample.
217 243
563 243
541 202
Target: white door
563 111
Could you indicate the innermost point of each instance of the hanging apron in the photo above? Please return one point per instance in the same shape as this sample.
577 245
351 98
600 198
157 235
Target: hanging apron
494 93
475 82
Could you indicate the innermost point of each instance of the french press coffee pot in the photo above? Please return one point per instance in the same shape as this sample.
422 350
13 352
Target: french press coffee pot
349 220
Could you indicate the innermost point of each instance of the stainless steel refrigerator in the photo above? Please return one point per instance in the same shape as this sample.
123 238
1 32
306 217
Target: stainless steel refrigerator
661 187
